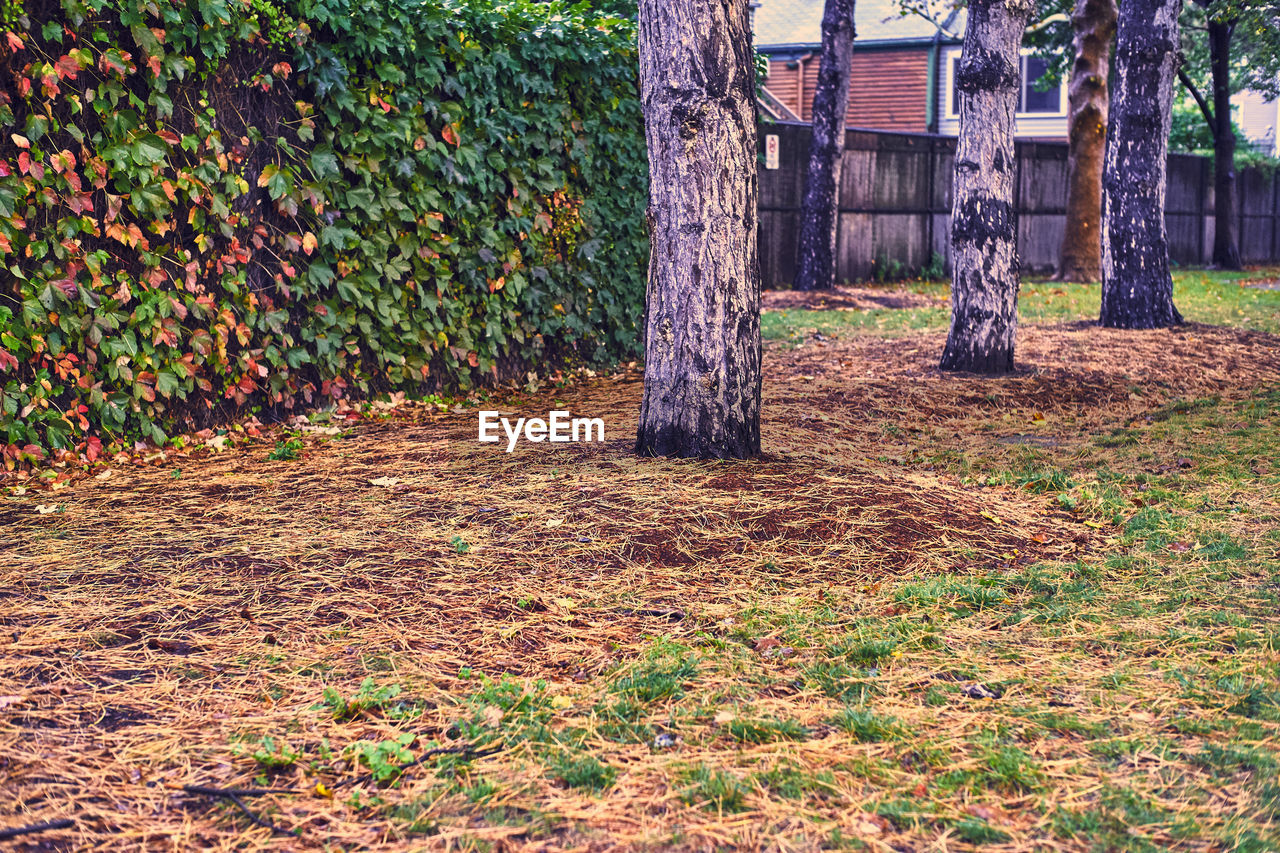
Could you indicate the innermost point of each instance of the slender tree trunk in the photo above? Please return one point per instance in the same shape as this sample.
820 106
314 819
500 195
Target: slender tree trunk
1137 289
1094 22
819 213
702 323
1226 243
984 284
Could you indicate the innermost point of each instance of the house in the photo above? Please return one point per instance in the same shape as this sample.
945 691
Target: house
904 65
1258 117
904 72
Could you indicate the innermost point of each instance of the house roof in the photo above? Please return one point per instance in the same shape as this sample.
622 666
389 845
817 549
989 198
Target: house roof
797 23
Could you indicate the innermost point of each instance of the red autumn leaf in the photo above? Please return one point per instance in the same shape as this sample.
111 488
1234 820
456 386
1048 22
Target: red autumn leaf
165 335
15 41
67 67
169 136
7 361
450 135
473 359
136 233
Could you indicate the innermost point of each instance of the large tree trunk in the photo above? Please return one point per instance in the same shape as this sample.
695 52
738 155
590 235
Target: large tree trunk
1094 22
1226 244
702 324
1137 289
984 284
816 252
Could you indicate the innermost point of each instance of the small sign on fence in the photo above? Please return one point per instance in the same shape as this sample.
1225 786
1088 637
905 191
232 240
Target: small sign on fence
771 151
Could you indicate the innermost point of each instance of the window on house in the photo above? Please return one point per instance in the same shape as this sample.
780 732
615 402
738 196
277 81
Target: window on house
1030 99
1033 99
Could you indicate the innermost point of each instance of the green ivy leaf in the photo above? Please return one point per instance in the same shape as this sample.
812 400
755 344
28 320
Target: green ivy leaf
148 150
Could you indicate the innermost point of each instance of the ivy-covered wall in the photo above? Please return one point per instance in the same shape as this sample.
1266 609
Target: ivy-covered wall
211 206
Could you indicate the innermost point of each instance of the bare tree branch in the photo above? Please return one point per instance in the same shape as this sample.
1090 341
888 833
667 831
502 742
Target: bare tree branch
1200 101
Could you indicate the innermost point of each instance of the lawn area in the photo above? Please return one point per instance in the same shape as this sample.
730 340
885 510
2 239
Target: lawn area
1203 296
940 612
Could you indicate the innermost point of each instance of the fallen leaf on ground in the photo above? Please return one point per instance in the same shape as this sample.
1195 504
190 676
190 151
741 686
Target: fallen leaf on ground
765 643
869 824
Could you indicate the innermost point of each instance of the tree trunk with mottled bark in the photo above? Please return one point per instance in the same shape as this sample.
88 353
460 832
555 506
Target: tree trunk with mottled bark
1226 242
816 250
702 323
984 284
1094 22
1137 288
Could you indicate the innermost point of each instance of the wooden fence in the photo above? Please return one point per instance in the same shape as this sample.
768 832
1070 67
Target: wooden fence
895 204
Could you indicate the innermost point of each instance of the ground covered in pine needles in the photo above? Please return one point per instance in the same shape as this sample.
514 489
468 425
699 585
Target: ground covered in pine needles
941 612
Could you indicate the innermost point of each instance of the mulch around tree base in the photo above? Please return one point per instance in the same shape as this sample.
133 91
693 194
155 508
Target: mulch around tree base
153 617
849 298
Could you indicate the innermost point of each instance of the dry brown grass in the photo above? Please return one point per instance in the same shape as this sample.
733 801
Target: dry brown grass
154 619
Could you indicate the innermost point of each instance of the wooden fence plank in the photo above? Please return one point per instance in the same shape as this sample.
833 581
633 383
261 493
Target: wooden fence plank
895 204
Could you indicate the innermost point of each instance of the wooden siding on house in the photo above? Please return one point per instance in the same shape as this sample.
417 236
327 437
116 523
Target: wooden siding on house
888 89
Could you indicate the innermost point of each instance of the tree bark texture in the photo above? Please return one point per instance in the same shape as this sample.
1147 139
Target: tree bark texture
1137 289
702 323
1226 241
1094 23
819 214
984 284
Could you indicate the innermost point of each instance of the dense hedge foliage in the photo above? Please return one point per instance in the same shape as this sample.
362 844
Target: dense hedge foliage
208 206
